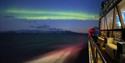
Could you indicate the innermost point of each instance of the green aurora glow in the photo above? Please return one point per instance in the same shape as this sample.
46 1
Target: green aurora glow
50 15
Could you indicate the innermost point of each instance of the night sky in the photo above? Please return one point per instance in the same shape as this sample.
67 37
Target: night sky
72 15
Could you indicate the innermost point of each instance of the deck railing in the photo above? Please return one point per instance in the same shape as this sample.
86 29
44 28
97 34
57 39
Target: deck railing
96 55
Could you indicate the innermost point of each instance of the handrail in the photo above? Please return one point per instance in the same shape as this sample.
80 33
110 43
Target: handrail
97 51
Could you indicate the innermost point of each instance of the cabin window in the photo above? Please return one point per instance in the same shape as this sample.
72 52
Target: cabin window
118 21
123 15
122 8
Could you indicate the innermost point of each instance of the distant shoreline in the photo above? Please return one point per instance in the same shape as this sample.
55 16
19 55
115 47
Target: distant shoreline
41 32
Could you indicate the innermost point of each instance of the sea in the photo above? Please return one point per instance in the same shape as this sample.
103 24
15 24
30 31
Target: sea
18 47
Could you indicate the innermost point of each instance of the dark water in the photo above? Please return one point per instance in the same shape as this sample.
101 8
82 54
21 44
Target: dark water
18 47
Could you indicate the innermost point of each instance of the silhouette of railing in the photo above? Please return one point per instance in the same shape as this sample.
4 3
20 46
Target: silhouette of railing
96 54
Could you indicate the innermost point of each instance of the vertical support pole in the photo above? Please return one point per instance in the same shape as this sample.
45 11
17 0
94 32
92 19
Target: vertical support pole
106 24
100 26
96 56
114 21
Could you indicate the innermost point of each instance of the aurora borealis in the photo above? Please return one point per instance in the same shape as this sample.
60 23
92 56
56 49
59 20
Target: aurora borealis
73 15
51 15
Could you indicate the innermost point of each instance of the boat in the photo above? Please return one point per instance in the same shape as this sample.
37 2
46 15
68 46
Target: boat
110 45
